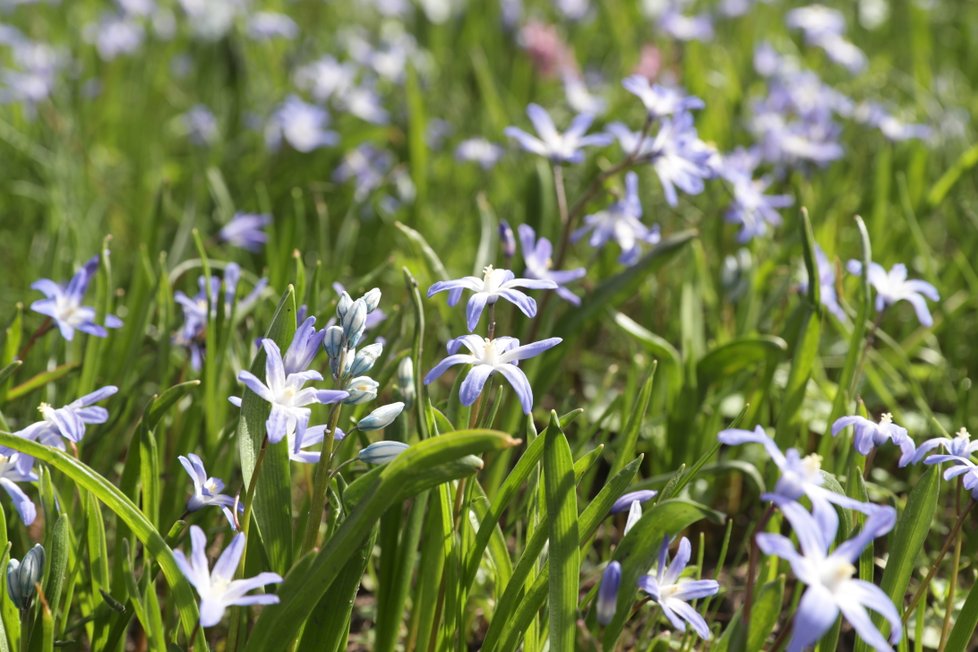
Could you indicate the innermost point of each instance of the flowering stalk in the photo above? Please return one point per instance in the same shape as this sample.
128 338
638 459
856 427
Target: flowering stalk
319 500
752 564
953 580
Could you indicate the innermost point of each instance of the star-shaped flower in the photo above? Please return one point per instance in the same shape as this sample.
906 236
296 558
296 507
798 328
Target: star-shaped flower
218 589
494 284
560 148
487 356
63 304
673 593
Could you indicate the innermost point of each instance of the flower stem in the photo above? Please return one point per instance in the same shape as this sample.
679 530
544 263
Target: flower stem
46 325
937 562
953 582
234 631
319 501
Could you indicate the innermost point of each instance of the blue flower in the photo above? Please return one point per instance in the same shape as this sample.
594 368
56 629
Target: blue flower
207 490
686 28
17 467
673 593
312 436
368 166
537 256
193 333
679 157
266 25
959 446
626 500
304 347
621 222
63 304
69 421
800 476
660 101
826 282
286 394
507 240
199 125
302 125
245 231
494 284
829 576
218 589
753 210
559 148
893 286
487 356
22 577
961 466
869 434
479 150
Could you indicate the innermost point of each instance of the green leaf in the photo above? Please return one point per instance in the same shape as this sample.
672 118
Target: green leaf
739 355
40 380
422 466
163 402
907 540
273 499
561 494
764 613
967 160
121 506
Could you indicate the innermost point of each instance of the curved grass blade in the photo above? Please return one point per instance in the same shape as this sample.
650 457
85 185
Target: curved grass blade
564 561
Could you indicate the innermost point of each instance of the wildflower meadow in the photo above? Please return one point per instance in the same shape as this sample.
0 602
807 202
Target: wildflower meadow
448 325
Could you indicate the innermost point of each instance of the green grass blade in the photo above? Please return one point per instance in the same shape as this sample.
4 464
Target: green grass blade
558 474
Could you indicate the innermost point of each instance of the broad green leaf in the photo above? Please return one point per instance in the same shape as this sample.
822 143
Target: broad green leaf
121 506
514 613
964 625
739 355
564 558
764 613
273 498
422 466
907 540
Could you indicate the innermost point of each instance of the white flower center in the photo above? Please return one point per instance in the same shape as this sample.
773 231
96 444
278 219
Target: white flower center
834 572
210 486
811 464
886 419
490 355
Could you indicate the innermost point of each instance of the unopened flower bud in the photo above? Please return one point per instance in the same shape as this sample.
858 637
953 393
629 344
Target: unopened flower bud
333 342
372 299
405 380
343 305
608 593
23 575
507 240
362 389
354 322
365 359
381 417
382 452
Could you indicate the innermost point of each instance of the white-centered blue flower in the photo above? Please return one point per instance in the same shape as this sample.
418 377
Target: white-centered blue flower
207 490
800 476
961 445
867 435
287 394
537 254
218 589
893 286
559 148
495 284
486 356
660 101
960 466
621 222
63 304
69 421
829 576
672 593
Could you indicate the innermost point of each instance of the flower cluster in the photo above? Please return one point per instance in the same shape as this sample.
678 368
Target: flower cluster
203 307
491 354
828 575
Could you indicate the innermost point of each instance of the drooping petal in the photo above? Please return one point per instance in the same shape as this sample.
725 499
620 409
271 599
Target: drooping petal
690 615
443 365
227 563
520 383
816 613
22 502
474 382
